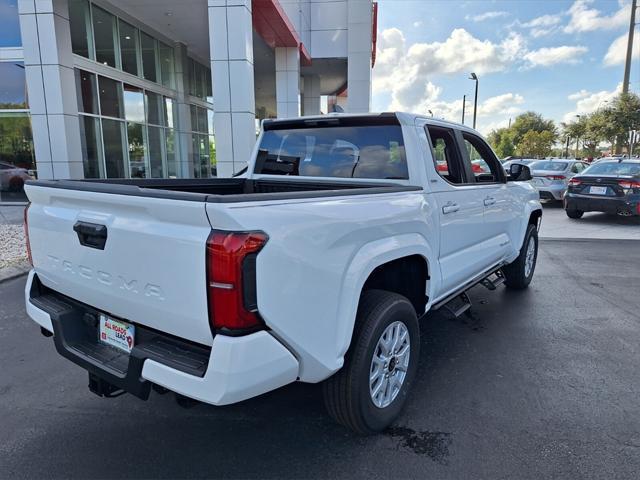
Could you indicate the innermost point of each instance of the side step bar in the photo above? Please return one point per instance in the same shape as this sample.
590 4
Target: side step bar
459 303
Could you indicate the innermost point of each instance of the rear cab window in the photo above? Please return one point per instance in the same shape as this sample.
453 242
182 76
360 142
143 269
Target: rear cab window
339 148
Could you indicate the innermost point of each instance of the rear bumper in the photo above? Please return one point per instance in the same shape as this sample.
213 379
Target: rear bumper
233 369
620 206
551 192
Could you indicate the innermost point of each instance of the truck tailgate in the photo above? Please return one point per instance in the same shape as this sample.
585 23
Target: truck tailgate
151 270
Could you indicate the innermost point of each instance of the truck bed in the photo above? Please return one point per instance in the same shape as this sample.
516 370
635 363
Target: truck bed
225 190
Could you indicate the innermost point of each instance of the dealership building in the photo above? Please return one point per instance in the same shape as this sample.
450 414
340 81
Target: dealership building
158 88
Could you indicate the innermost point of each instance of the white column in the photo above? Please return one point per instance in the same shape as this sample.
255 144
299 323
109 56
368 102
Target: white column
311 95
231 47
287 82
359 24
46 40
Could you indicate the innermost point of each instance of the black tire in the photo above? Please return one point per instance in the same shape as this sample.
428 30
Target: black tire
574 213
515 274
346 394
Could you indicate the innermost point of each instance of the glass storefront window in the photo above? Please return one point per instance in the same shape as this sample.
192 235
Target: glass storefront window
155 115
167 68
16 141
155 152
202 120
148 44
110 97
13 87
91 146
80 23
104 29
169 109
133 103
170 147
86 92
114 154
212 155
9 24
210 122
137 148
129 53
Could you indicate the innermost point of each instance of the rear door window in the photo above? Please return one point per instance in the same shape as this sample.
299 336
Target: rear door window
446 155
360 151
485 165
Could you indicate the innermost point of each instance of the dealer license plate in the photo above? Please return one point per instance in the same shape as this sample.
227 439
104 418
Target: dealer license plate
598 190
120 335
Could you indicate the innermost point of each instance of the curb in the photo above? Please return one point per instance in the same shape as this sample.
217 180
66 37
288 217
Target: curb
14 271
589 240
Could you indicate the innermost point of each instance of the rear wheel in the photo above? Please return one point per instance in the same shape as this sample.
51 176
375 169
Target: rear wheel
572 213
518 274
368 393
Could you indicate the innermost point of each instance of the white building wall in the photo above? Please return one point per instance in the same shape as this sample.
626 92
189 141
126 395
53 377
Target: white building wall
288 82
359 25
51 85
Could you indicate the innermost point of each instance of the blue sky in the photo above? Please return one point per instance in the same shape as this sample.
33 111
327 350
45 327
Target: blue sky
559 58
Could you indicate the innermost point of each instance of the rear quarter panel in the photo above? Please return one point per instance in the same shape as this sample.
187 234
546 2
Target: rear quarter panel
319 254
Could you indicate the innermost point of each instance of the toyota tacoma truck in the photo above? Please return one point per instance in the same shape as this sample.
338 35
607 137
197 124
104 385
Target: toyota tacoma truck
315 266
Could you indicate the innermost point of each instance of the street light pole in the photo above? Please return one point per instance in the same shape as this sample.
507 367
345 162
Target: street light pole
464 104
627 63
473 76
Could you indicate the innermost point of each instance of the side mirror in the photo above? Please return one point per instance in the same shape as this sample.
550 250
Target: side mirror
519 173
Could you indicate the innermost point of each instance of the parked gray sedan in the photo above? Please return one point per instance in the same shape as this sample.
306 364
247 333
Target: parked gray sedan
551 177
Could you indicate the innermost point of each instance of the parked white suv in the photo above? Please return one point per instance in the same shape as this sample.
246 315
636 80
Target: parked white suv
314 267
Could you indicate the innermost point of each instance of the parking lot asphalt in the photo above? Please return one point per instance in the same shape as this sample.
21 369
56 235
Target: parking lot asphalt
556 224
541 383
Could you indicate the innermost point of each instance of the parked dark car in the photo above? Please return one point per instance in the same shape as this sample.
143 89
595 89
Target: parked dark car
611 186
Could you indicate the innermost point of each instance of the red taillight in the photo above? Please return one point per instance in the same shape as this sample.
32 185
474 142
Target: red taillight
574 182
556 177
231 279
26 233
627 184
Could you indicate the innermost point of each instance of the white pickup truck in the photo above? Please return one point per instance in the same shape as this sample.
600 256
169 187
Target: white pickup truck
313 267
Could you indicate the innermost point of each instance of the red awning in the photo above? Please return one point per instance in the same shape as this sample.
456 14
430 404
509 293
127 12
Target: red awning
275 28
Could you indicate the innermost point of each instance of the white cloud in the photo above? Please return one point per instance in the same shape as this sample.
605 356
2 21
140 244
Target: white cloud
486 16
504 104
546 57
417 24
588 102
543 21
405 72
617 52
585 18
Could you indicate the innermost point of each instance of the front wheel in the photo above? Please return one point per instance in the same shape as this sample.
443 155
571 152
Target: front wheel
518 274
368 393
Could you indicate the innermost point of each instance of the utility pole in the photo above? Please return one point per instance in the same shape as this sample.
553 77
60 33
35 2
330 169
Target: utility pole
464 104
627 65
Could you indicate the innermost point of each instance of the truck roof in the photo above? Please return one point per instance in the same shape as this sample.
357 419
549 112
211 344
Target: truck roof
404 118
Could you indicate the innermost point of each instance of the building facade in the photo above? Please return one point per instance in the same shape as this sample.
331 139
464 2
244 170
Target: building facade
164 89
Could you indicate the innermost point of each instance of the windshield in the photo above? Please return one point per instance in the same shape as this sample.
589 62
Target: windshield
613 168
367 151
551 166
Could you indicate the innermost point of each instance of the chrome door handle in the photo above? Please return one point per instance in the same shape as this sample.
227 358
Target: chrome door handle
489 201
450 208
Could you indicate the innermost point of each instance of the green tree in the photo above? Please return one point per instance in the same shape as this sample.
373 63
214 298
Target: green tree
530 121
536 144
501 142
